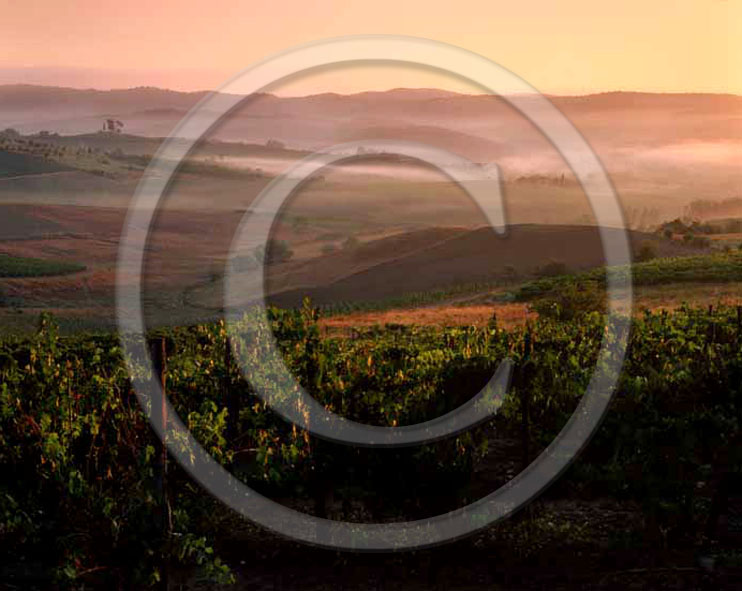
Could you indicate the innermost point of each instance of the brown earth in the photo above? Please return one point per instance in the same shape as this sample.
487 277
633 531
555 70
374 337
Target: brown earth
449 259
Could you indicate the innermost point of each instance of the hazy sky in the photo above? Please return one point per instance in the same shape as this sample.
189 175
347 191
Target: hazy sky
559 46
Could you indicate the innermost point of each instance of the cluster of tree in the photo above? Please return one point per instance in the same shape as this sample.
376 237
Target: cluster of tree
679 226
10 133
690 232
112 126
18 144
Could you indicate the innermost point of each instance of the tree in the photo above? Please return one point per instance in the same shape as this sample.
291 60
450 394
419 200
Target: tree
112 125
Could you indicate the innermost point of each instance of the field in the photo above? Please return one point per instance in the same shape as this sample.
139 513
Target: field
420 239
390 266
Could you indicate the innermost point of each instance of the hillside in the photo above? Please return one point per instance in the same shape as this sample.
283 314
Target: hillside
441 258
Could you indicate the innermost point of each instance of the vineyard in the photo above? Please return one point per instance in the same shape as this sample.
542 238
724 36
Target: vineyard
11 266
707 268
89 475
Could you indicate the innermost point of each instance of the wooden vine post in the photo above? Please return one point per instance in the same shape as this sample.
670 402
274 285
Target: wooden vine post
230 395
525 399
525 402
158 353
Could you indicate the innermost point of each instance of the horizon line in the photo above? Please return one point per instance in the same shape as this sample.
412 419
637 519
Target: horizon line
377 91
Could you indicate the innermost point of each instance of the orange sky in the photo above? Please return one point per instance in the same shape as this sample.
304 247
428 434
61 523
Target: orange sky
559 46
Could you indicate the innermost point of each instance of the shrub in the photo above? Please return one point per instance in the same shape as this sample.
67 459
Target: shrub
571 300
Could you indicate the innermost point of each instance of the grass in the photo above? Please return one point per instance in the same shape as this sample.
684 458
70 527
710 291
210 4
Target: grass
11 266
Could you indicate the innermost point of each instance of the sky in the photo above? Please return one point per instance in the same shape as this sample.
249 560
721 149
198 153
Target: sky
558 46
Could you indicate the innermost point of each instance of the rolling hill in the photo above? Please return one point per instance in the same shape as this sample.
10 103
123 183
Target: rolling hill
438 258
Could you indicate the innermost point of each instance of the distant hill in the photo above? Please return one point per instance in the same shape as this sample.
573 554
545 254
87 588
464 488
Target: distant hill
23 98
329 118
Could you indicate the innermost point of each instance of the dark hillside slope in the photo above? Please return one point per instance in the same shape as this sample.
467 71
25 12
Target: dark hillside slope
462 257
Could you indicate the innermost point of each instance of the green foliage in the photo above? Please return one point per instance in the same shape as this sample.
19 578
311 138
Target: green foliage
678 226
81 452
571 300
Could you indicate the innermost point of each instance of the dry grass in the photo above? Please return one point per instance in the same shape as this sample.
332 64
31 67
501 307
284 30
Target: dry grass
673 295
508 315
